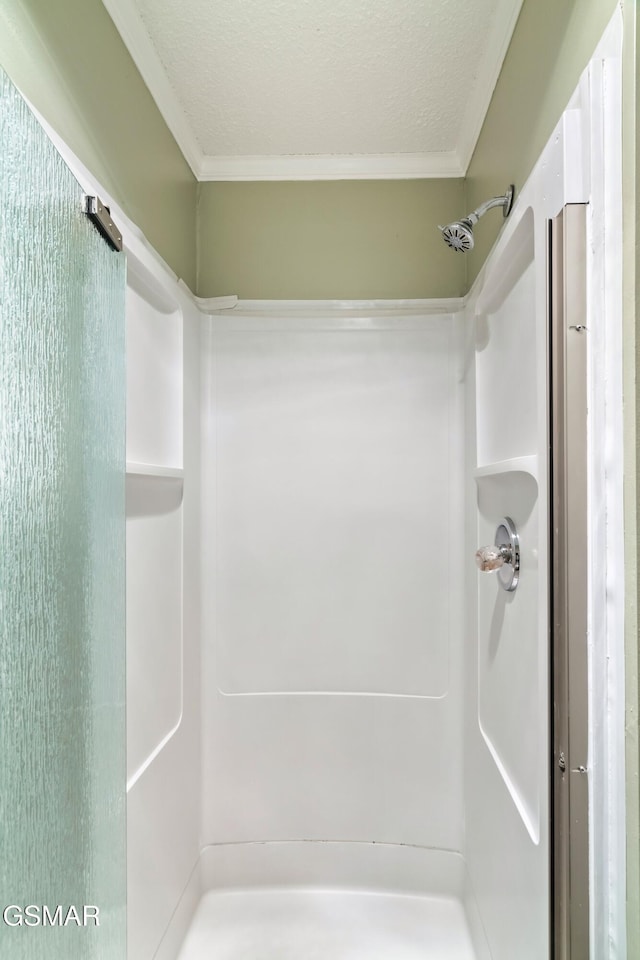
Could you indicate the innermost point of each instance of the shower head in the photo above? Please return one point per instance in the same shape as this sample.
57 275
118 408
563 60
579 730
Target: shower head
459 234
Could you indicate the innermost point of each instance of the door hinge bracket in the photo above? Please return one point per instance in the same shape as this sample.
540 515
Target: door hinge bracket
100 217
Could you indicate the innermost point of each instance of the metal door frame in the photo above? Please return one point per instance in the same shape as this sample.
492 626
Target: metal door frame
569 775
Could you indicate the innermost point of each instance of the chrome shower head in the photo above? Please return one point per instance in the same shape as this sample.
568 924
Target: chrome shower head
459 234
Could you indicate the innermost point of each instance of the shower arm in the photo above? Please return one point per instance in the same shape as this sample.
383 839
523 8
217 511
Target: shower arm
505 201
459 234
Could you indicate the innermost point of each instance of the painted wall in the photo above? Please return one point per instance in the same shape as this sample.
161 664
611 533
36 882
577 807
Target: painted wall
551 45
330 239
68 59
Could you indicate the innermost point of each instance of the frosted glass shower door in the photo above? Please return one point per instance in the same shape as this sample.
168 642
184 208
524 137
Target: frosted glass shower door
62 642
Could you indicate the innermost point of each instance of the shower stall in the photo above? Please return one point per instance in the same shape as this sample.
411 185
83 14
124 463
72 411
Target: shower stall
357 748
340 733
350 750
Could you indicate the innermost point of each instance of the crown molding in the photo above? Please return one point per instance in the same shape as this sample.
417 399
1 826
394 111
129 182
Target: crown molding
129 25
505 19
401 166
384 166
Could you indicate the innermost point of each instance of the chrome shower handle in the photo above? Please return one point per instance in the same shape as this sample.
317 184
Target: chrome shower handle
503 555
492 558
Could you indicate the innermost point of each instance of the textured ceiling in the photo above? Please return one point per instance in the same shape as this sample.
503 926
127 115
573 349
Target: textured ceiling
305 77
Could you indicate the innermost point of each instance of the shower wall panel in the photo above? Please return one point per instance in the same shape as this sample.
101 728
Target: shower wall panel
507 698
154 373
154 520
163 723
331 641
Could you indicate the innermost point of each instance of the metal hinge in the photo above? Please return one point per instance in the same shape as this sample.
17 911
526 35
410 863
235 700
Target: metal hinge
100 216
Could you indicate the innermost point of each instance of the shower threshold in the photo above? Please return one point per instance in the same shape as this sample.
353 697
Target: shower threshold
310 924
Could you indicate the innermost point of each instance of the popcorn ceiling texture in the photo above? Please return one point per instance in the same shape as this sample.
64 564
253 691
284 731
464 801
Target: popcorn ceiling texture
278 77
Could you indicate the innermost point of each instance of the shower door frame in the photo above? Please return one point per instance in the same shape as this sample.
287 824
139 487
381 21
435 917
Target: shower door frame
569 572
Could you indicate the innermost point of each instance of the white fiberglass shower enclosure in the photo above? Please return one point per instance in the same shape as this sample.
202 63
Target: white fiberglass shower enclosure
342 704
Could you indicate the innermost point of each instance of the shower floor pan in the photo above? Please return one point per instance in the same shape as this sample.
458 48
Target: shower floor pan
287 924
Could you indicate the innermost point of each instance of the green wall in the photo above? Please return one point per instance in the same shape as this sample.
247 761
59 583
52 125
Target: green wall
551 45
67 57
353 239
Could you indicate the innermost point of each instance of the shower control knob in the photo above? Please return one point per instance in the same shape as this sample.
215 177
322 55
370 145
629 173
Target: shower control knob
503 556
491 558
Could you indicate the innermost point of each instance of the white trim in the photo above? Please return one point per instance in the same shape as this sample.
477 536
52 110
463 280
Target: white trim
505 19
131 28
333 308
400 166
214 304
382 166
323 323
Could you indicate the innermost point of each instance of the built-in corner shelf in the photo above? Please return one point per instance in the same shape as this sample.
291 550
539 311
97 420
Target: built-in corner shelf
516 465
153 489
151 470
